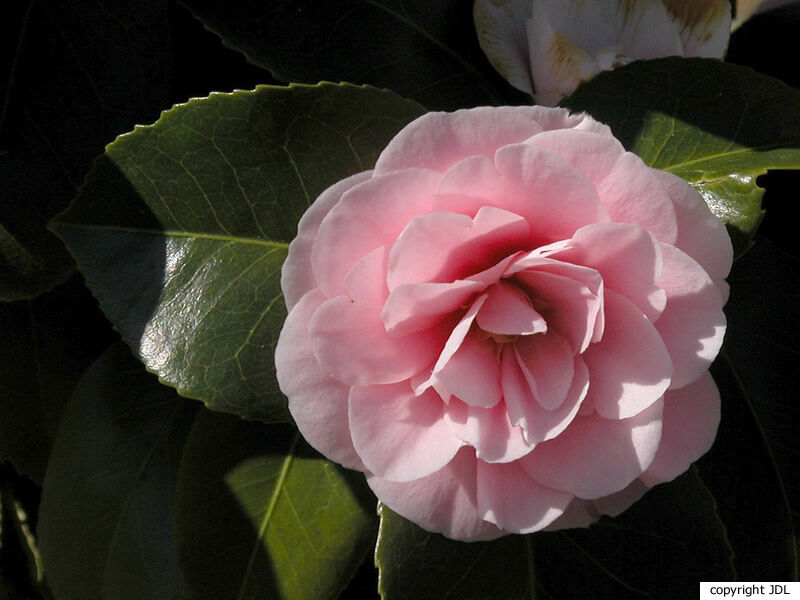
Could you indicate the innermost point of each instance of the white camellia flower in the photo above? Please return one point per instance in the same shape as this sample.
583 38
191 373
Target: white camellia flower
547 47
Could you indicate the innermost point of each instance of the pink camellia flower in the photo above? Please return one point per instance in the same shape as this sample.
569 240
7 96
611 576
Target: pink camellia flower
507 324
547 47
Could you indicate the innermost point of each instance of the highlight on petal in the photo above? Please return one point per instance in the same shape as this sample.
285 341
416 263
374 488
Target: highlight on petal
513 501
693 324
594 456
317 402
630 368
690 421
444 502
398 435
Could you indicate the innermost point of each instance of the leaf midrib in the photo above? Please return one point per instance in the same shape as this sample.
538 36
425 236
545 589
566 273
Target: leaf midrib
177 234
273 501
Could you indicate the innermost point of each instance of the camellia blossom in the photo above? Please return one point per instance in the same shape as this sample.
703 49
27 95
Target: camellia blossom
547 47
507 324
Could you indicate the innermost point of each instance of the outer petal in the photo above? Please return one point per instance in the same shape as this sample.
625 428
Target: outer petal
438 140
592 153
501 33
631 194
513 501
369 215
350 340
596 457
317 402
297 276
691 417
582 513
693 324
701 235
488 430
444 502
630 368
398 435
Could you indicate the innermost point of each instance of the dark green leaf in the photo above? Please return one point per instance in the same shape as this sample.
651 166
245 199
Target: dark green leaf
752 469
261 515
77 74
47 344
423 50
660 548
106 519
716 125
182 227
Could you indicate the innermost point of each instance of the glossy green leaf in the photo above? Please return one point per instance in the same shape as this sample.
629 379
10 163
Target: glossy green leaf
76 74
182 227
47 344
752 469
423 50
261 515
659 549
716 125
106 517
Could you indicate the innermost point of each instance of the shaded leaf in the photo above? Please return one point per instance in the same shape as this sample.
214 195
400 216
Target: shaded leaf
423 50
261 515
76 74
753 467
47 344
106 517
660 548
716 125
182 227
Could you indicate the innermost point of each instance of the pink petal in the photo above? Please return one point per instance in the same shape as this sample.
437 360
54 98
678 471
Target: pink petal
488 430
349 338
693 324
547 363
596 457
398 435
582 513
415 306
513 501
701 235
627 256
538 423
691 418
469 185
508 311
442 247
593 154
297 276
369 215
631 194
444 502
535 178
472 373
438 140
454 341
561 293
318 403
630 368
